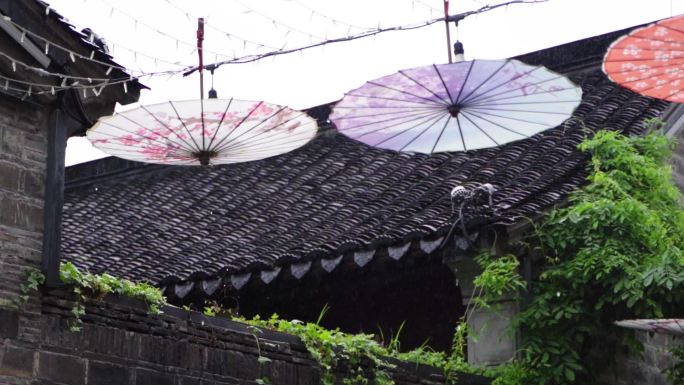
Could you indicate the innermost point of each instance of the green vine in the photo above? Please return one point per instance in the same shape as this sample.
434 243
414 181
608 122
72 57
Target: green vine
85 284
675 373
614 253
32 281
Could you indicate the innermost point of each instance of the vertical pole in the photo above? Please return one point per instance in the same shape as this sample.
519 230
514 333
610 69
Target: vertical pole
200 39
446 23
54 198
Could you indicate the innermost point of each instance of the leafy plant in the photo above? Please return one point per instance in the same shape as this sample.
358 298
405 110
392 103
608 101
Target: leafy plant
614 253
675 373
85 284
33 279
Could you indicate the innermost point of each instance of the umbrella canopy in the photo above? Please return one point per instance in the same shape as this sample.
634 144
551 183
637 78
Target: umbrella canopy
194 132
456 107
650 60
665 326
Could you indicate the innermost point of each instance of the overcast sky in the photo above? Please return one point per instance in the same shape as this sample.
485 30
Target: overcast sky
163 34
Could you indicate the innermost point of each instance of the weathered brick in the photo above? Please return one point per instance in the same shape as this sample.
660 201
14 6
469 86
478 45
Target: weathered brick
34 183
61 368
151 377
10 176
9 324
103 373
17 362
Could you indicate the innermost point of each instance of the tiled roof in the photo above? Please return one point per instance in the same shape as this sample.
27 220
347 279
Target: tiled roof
333 198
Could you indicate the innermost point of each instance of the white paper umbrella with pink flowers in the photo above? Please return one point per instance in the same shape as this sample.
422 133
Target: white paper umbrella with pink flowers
456 107
202 132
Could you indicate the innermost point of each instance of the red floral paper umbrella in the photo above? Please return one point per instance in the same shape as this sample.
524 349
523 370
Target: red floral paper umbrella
650 60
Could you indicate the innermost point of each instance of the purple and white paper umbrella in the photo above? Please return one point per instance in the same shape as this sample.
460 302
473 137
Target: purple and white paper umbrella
456 107
666 326
194 132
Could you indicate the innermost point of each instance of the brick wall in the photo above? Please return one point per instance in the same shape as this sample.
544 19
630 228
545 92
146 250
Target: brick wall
120 344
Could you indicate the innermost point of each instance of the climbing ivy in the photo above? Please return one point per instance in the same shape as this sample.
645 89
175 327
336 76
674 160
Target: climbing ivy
85 284
615 252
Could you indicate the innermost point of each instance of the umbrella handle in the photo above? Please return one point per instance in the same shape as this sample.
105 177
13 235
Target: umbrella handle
200 39
446 23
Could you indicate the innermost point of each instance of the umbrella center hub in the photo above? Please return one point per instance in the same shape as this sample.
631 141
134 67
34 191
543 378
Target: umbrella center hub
454 109
204 156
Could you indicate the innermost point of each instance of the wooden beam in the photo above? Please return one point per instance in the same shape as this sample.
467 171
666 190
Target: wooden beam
54 197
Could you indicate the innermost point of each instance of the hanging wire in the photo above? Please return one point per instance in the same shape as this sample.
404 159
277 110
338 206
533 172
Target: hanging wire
75 55
407 27
331 19
177 40
276 22
190 16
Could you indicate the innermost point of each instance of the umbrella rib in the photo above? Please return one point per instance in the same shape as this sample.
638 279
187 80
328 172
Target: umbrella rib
272 145
481 130
266 140
660 24
421 133
426 107
467 100
404 92
165 125
431 103
508 110
227 146
460 131
403 113
421 85
651 39
482 102
139 125
407 121
223 117
472 64
417 115
451 100
183 123
661 69
505 117
486 80
440 134
138 135
669 95
404 131
497 124
142 156
237 125
678 60
515 103
648 77
481 96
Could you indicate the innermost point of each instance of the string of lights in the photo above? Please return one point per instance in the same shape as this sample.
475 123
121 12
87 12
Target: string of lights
73 55
278 23
333 20
408 27
163 34
207 24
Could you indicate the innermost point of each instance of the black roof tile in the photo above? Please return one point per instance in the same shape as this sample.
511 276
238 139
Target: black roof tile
330 197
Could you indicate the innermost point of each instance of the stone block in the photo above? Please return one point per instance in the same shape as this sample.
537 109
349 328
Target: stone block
34 184
151 377
495 344
104 373
61 368
9 324
15 212
17 362
10 176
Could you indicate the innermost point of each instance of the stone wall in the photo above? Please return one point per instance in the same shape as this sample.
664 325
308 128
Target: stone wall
646 368
23 151
121 344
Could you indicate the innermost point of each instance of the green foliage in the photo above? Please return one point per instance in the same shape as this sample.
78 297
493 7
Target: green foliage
675 373
614 253
85 284
32 280
334 350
